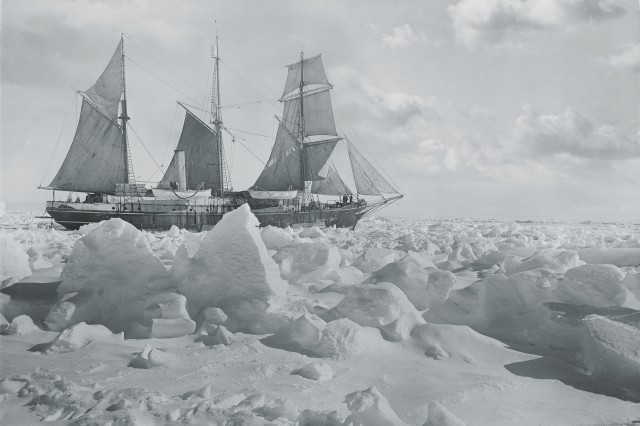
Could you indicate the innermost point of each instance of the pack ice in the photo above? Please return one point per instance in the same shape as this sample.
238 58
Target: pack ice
398 322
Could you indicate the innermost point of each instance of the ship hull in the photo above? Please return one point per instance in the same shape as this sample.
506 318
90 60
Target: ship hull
75 215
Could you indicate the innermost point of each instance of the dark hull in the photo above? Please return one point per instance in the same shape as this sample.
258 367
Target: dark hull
343 217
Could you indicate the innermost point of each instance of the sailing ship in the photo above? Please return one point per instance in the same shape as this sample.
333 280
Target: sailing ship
195 191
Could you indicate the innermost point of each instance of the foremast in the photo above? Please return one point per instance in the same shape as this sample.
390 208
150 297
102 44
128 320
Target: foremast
221 178
124 118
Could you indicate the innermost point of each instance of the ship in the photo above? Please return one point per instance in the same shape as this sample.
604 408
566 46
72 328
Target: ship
300 184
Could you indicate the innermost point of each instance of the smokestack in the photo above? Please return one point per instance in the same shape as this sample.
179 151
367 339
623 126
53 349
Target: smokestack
182 170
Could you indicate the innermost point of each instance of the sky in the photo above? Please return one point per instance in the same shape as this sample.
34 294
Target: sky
506 109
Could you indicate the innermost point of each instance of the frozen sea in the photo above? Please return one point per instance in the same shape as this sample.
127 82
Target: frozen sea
402 321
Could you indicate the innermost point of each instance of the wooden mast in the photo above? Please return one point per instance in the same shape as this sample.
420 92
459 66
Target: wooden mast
216 120
302 154
124 117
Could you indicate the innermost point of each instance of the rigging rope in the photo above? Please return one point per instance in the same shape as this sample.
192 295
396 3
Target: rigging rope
250 86
161 79
145 148
158 61
59 136
206 94
173 122
246 65
251 133
360 141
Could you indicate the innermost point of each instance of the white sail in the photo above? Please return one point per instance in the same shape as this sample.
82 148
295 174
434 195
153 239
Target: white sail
107 90
332 184
315 157
95 161
313 73
368 180
199 143
282 172
318 114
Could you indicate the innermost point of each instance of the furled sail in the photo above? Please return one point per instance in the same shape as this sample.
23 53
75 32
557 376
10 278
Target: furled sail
199 143
368 180
318 114
316 155
282 171
331 185
107 90
313 74
95 161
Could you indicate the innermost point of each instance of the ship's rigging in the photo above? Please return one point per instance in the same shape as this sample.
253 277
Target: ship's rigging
300 164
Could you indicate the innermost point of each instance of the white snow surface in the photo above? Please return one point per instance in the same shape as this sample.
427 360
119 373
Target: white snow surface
14 261
400 322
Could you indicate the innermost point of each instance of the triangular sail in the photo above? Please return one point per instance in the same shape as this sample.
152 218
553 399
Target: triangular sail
316 155
331 185
368 180
107 90
318 114
199 143
95 161
282 171
313 74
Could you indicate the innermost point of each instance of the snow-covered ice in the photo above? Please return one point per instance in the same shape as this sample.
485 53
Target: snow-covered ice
399 322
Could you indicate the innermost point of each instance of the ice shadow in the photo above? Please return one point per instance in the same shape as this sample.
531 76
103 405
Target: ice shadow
554 365
564 364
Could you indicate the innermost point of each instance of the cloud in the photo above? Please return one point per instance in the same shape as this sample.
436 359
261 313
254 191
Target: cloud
390 110
574 134
400 36
496 22
628 59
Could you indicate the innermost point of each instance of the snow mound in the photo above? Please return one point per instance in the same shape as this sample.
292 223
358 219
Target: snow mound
374 305
150 357
216 335
311 232
559 261
173 232
78 336
440 416
370 408
319 418
595 285
21 325
306 262
14 261
422 288
233 271
345 275
165 315
8 386
632 283
442 341
110 272
620 257
301 335
375 258
611 352
344 339
275 238
317 371
311 336
497 304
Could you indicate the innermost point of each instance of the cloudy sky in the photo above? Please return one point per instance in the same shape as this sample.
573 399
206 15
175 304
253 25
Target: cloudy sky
511 109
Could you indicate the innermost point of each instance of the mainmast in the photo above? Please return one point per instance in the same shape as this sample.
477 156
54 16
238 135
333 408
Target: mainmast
301 122
216 120
129 175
